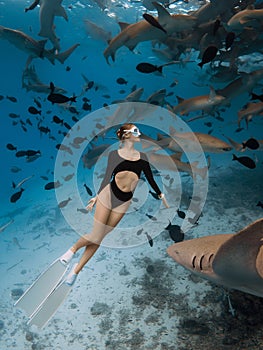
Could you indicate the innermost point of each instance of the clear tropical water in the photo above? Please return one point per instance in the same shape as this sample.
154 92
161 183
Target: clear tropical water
130 295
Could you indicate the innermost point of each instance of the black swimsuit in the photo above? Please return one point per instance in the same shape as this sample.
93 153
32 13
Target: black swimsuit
117 164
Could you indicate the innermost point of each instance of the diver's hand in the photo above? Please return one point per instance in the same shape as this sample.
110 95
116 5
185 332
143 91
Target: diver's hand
91 203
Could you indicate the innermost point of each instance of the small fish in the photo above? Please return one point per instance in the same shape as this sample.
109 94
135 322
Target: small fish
68 68
14 115
208 55
181 214
62 147
230 37
256 97
82 210
175 232
51 185
145 67
67 125
12 98
208 124
58 98
15 169
150 240
33 110
44 129
246 161
67 163
78 140
88 189
16 196
151 217
28 121
86 106
57 120
44 177
64 203
37 103
121 81
23 181
20 154
260 204
251 143
139 232
68 177
150 19
11 147
31 152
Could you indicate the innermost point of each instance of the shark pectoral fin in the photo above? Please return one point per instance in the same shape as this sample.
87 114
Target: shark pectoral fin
212 94
60 11
61 57
238 258
163 14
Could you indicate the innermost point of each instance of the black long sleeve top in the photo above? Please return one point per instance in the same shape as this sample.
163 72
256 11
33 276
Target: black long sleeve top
117 164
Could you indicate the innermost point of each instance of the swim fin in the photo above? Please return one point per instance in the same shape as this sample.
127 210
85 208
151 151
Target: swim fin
50 305
34 296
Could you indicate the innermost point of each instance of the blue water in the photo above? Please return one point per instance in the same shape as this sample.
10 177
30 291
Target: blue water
137 297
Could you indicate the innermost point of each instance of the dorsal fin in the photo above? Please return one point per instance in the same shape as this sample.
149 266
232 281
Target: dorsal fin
163 14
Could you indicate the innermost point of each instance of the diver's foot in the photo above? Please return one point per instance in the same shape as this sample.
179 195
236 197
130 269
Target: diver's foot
67 257
71 277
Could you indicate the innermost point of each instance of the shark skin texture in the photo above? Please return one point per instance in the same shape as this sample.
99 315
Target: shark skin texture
232 260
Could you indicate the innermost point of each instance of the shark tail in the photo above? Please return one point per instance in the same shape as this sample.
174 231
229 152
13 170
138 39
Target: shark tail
62 56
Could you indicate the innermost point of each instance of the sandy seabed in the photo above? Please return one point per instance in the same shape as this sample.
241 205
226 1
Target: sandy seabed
133 298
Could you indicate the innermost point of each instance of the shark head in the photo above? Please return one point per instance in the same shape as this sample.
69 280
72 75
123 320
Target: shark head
232 260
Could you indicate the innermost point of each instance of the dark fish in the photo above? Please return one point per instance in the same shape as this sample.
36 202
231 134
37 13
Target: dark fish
181 214
57 120
216 26
145 67
260 204
1 97
33 110
44 177
209 124
15 197
44 129
15 169
251 143
31 152
150 19
230 37
67 125
83 211
37 103
86 106
208 55
175 232
139 232
64 203
28 121
121 81
11 98
256 97
11 147
151 217
20 154
51 185
32 158
150 240
246 161
68 69
75 119
14 115
59 98
73 110
88 189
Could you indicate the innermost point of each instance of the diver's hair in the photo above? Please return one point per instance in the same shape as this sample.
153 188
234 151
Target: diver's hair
120 132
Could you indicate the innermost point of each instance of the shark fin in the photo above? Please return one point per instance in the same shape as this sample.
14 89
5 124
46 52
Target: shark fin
61 57
123 25
163 14
60 11
212 93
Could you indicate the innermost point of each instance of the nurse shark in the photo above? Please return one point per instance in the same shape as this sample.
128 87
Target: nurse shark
232 260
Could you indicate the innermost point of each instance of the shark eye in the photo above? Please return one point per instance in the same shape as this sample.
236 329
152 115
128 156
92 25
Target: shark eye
193 261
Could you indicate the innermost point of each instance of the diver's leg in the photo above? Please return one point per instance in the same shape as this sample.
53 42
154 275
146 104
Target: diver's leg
111 219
